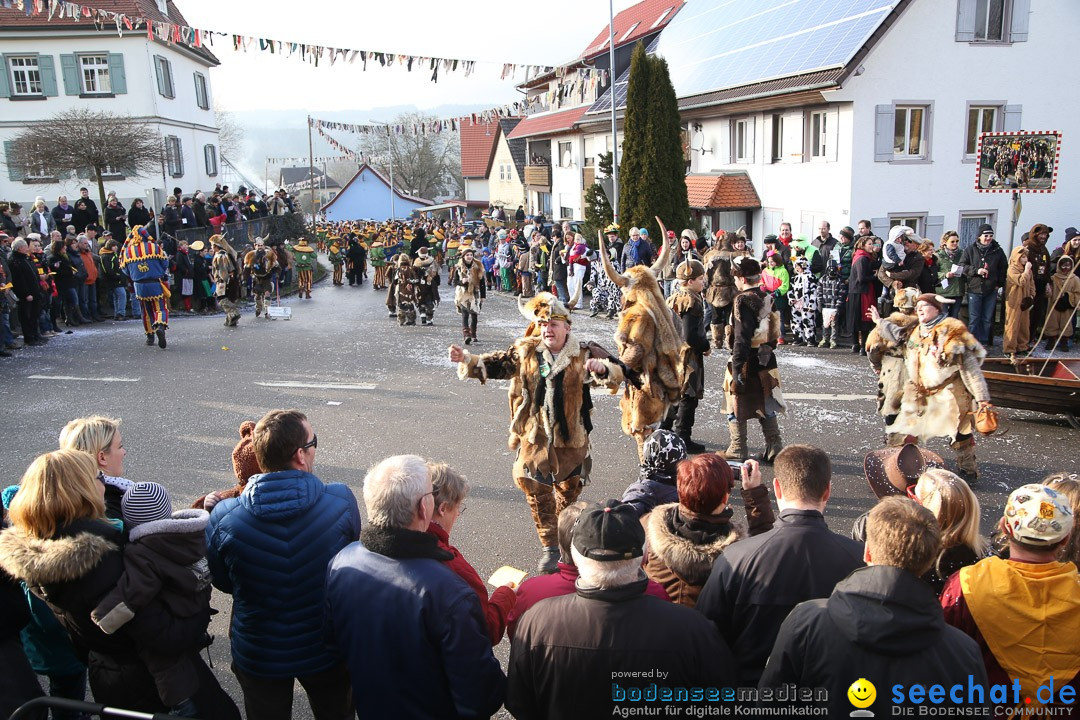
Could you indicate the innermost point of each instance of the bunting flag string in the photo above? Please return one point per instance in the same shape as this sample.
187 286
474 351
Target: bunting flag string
346 151
305 159
571 80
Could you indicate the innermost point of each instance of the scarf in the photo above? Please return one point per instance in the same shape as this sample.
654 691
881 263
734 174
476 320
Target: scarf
402 544
700 529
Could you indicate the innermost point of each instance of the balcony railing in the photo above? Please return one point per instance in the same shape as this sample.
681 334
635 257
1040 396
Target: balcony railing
538 175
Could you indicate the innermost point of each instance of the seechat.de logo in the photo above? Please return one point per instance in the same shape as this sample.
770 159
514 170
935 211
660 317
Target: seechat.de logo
862 695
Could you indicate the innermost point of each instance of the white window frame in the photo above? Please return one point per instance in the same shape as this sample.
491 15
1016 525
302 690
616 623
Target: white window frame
162 6
741 148
925 135
777 140
99 71
28 68
174 156
995 126
980 216
202 91
982 21
914 220
210 158
568 155
37 171
819 135
164 69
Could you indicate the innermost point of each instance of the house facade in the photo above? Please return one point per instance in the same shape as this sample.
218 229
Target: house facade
57 65
368 196
506 174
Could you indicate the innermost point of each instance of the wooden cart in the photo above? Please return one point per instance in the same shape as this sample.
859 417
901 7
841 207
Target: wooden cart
1034 384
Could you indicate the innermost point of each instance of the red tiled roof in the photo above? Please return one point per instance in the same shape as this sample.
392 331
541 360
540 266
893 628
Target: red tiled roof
551 123
645 14
732 191
477 147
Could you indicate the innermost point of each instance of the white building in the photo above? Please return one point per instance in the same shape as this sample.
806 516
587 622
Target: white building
853 113
55 65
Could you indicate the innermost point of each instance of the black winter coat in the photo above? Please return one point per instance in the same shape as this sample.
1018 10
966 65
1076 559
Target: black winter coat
756 582
880 623
63 272
993 257
24 277
116 220
184 268
138 216
172 219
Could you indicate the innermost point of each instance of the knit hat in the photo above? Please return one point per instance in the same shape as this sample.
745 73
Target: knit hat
501 235
145 502
244 461
8 495
660 454
984 228
745 267
1070 233
689 270
771 240
848 232
1038 515
609 531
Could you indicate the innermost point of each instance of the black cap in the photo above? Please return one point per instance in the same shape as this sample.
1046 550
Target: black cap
609 531
986 228
1070 233
771 239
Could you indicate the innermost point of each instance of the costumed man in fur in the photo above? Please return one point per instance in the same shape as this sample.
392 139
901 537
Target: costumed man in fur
752 380
720 284
427 285
337 260
304 257
649 344
467 279
550 374
1019 300
148 267
259 265
225 271
403 290
688 305
942 382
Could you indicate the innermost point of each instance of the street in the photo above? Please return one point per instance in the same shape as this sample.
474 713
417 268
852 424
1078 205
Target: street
372 389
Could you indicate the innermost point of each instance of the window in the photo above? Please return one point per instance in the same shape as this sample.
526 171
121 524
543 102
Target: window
202 94
210 154
565 154
979 120
818 134
163 70
629 32
741 142
94 71
915 222
660 19
25 76
909 135
970 222
162 6
565 212
777 137
174 156
990 20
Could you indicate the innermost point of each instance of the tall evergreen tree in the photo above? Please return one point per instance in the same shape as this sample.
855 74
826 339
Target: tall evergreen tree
633 194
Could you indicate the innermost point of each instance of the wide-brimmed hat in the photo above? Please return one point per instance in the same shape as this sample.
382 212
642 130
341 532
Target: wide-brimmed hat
197 245
891 471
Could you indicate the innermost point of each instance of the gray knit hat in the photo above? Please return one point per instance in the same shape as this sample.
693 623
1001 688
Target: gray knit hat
145 502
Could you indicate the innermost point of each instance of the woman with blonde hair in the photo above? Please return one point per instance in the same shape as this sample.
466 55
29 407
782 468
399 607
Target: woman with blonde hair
956 508
100 438
1068 484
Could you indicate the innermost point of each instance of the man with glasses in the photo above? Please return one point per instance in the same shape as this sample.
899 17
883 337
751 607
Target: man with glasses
269 549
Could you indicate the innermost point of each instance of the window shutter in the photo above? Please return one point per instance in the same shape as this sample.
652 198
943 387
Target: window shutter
935 227
832 134
179 157
117 74
880 227
69 68
1012 118
48 75
158 75
5 87
793 137
751 137
1018 29
965 21
172 83
14 171
884 119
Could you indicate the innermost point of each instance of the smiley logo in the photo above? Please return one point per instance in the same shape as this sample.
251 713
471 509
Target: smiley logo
862 693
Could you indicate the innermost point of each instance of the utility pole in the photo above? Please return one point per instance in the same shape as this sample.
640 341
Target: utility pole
614 133
311 173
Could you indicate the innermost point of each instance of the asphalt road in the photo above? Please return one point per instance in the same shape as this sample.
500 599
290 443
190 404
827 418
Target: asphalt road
372 389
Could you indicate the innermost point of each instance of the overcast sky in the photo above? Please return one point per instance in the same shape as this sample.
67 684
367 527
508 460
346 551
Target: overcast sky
548 33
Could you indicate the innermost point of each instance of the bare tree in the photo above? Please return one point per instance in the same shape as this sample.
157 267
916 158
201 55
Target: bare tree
424 164
88 143
230 136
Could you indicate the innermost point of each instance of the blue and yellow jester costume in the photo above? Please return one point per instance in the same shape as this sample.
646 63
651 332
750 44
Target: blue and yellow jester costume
148 267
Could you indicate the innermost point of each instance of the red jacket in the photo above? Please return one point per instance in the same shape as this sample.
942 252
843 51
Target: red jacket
543 587
498 608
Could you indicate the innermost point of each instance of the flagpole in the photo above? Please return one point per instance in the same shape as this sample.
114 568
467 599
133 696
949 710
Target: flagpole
614 133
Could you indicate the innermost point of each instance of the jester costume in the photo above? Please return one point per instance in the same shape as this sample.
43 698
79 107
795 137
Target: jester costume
337 259
148 267
377 255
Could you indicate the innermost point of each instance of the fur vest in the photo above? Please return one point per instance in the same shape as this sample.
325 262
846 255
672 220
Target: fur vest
676 562
270 263
720 288
468 279
885 351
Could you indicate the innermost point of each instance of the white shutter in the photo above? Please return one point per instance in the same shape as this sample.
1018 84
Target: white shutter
1012 118
965 21
1018 29
832 134
880 227
751 139
793 137
884 123
935 228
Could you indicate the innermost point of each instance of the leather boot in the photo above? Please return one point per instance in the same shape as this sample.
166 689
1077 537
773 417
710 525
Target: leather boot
965 459
149 338
549 561
736 449
770 427
717 332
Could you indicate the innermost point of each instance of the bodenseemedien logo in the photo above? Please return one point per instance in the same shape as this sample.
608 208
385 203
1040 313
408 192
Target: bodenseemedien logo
862 694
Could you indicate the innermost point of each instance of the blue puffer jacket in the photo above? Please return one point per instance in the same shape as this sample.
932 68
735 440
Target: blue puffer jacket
270 548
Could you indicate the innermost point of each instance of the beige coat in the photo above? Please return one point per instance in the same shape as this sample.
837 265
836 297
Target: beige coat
1066 286
1019 292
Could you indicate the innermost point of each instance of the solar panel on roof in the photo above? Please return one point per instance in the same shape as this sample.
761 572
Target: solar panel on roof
715 44
621 84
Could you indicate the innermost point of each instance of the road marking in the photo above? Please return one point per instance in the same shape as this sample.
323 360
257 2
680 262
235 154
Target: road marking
317 386
82 379
806 396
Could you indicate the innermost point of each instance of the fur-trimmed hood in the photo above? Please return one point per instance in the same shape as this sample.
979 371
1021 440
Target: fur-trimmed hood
690 562
48 562
181 522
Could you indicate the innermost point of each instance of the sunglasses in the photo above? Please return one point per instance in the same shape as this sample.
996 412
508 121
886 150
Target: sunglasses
313 444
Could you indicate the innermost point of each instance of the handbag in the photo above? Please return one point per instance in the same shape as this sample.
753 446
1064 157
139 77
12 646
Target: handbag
986 420
1063 304
1026 304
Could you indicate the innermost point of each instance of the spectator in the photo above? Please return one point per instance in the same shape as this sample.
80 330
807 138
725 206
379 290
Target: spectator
88 293
113 279
755 583
198 206
928 279
832 294
909 270
1070 247
519 216
950 282
184 274
807 249
116 218
28 289
1024 612
1042 269
245 466
825 242
661 454
93 216
558 271
1068 486
956 508
278 588
41 220
686 537
188 221
10 221
100 437
63 214
80 218
880 622
139 214
843 253
565 652
776 280
171 221
59 265
393 602
985 266
638 251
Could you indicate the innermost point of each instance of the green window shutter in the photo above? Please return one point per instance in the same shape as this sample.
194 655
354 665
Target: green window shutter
14 171
158 76
172 82
48 75
5 84
69 68
117 75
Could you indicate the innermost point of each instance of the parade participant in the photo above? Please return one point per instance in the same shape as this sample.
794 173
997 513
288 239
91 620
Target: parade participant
1064 296
551 409
649 345
259 266
752 380
304 257
226 276
337 259
146 264
942 381
605 295
803 297
401 298
357 262
1019 299
720 285
427 285
467 279
686 302
377 254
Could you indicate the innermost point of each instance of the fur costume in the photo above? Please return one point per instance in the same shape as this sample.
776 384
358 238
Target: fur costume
649 345
754 331
427 286
885 350
1064 297
468 282
720 285
1019 299
403 290
262 278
